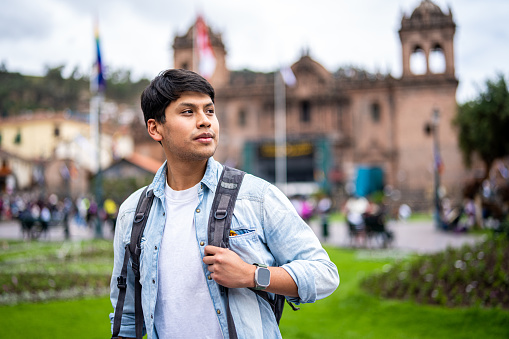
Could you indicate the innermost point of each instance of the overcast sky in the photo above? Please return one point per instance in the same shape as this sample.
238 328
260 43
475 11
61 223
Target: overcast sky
260 35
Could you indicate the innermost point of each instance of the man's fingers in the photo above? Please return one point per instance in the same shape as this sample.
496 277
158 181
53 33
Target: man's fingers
212 254
211 250
208 259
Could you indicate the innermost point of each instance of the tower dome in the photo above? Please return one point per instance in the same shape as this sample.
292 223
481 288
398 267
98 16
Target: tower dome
427 15
427 9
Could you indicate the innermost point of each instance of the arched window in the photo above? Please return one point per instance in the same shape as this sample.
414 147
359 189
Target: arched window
418 61
437 60
305 111
17 137
375 112
242 118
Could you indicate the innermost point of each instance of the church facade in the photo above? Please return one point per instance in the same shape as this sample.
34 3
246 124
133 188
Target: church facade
349 130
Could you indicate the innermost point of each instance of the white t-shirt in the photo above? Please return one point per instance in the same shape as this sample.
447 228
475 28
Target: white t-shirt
184 307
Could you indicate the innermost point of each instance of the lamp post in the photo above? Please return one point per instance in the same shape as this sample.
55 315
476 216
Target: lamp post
431 128
436 167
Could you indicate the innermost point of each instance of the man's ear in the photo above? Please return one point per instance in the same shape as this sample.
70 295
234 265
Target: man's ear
152 128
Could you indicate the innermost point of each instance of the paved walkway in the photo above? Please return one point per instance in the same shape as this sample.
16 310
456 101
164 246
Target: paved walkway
12 230
416 236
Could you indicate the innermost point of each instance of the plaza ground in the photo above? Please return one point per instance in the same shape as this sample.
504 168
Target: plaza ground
409 236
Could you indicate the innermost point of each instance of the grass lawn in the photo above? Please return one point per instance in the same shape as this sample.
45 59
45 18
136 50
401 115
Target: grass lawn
85 318
348 313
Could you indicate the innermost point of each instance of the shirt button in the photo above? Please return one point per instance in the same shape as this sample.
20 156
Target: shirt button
218 311
151 316
164 213
153 281
155 247
197 210
202 243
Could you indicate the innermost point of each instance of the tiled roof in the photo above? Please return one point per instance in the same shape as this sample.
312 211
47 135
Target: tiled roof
145 162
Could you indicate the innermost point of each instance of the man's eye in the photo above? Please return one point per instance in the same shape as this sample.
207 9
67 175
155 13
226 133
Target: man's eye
210 111
187 111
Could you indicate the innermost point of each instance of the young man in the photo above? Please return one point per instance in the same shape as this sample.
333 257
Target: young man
180 273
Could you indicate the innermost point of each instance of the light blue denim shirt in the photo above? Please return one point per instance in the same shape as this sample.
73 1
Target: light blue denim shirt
269 231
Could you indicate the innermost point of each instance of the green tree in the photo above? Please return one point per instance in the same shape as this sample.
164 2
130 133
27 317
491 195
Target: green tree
483 124
120 87
23 93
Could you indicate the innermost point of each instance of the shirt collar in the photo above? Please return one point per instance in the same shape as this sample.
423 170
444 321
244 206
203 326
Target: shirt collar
212 174
210 179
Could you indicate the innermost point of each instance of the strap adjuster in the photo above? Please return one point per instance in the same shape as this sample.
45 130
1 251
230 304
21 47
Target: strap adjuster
220 214
136 269
139 217
121 282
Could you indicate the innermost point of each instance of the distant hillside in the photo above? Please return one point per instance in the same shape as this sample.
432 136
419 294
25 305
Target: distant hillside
22 93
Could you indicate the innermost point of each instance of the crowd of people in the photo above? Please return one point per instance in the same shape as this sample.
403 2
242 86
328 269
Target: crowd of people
37 213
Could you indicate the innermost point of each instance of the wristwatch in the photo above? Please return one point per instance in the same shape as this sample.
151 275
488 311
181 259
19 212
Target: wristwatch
262 277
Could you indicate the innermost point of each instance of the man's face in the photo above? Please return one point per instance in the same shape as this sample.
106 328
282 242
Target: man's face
191 130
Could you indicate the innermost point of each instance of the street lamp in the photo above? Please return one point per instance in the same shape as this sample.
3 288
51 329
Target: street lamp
432 128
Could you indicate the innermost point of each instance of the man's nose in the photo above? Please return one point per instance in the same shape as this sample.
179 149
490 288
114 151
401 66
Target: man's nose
203 120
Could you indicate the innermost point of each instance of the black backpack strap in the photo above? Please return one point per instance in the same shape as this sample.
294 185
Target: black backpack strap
220 220
122 286
133 250
222 208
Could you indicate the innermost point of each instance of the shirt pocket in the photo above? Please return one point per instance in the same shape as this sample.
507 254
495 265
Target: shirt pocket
245 240
242 229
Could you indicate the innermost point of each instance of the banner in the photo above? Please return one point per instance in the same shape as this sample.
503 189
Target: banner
206 58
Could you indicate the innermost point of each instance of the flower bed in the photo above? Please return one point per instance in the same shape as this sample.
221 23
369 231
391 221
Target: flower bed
36 271
472 275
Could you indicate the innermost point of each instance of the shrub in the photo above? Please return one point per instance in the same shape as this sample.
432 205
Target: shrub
36 271
472 275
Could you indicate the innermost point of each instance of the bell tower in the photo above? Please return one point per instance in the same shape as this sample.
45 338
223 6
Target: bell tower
427 42
185 55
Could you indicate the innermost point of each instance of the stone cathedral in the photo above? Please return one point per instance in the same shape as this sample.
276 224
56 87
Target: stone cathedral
350 130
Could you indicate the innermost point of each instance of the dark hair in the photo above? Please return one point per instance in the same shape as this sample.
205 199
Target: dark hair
168 86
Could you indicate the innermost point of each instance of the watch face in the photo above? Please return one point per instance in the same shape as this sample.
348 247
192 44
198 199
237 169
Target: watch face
263 276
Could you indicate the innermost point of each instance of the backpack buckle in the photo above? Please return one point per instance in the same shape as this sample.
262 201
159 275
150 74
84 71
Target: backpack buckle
121 282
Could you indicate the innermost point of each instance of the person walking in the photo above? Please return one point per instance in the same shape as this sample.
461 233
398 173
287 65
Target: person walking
180 272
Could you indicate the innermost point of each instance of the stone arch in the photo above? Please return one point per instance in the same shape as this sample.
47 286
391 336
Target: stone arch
418 61
437 61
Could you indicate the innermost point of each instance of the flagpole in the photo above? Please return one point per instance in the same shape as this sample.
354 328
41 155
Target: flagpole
95 131
97 84
280 131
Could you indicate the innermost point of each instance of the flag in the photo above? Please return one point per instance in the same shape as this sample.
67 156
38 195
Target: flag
97 83
206 57
288 76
